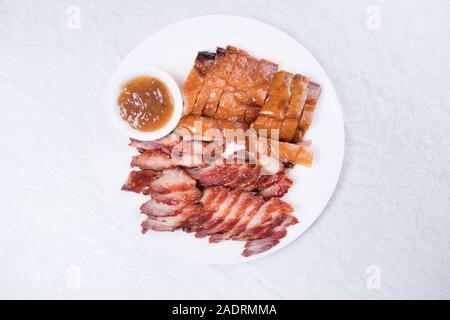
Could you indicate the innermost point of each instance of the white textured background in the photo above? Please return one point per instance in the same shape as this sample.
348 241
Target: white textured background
391 207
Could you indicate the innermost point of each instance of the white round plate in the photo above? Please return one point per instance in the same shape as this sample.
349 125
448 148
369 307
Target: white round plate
173 49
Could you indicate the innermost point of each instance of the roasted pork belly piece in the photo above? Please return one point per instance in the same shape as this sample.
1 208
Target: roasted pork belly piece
192 126
194 82
243 95
286 152
251 113
278 96
235 84
246 89
209 83
220 81
230 84
267 126
308 110
264 75
270 118
294 110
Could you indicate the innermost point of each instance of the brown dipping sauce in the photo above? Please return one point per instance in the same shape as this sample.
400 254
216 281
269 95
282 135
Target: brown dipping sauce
145 103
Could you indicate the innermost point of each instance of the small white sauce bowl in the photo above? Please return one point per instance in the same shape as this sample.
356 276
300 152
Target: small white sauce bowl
114 89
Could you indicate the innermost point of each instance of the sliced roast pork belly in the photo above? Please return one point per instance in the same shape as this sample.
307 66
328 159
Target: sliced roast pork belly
286 152
267 126
278 96
235 80
308 110
271 116
209 82
194 82
220 81
294 111
243 94
258 92
207 128
265 73
246 89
